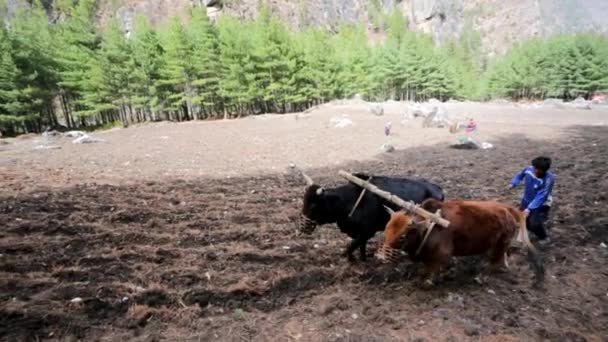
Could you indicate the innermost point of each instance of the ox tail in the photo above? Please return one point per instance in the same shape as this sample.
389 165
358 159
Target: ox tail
534 257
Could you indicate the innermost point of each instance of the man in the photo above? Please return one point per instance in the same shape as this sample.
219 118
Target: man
536 201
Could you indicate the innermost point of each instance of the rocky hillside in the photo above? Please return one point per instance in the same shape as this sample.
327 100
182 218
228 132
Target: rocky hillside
500 23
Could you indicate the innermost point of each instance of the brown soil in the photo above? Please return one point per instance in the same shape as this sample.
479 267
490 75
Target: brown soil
219 259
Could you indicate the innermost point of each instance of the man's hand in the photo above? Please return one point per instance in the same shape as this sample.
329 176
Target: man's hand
527 212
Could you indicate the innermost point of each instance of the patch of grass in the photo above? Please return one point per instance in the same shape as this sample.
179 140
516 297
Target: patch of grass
239 314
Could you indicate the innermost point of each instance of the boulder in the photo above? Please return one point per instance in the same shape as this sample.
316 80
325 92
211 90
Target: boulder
209 3
50 134
340 122
581 103
557 103
387 148
376 109
74 134
437 118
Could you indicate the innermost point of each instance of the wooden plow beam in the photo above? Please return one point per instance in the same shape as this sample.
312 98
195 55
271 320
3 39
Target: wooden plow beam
409 206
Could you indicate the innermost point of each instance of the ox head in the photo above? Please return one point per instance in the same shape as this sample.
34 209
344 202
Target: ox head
316 210
395 235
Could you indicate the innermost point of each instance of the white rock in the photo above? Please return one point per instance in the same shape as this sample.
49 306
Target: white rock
491 292
76 300
286 248
603 245
340 122
87 139
354 316
47 147
377 110
387 148
74 134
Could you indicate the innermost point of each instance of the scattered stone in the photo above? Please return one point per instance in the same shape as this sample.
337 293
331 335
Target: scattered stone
471 329
74 134
87 139
438 117
51 134
340 122
581 103
47 147
557 103
354 316
491 292
387 148
603 245
377 110
76 300
208 3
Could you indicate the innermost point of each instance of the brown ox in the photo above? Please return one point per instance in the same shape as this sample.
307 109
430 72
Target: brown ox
476 227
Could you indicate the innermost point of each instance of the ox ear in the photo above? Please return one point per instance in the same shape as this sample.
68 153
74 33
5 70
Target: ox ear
388 210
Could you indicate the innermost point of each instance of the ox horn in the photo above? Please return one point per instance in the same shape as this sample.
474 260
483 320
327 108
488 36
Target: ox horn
306 177
388 210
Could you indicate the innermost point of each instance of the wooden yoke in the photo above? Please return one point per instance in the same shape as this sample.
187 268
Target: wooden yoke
409 206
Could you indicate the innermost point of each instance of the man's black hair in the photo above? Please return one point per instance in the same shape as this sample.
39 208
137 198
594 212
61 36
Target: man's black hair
542 163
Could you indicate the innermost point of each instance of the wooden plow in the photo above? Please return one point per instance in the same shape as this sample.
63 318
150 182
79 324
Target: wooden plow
408 206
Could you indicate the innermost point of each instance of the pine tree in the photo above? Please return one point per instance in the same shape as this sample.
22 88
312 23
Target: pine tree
112 88
179 70
34 55
236 64
272 67
147 59
76 42
12 107
204 40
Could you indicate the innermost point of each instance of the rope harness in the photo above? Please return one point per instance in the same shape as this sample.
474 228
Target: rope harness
431 225
359 199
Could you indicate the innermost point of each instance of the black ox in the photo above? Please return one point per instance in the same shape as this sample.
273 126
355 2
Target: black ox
359 220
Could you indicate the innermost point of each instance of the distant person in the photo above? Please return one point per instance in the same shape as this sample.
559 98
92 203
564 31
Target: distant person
387 129
536 201
471 126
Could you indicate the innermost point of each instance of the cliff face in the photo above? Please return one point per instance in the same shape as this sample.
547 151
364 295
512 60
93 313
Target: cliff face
500 23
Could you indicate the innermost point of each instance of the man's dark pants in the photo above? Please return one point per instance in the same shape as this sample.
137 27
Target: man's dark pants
536 221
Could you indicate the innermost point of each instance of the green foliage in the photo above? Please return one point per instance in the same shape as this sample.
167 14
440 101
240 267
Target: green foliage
147 64
564 66
198 69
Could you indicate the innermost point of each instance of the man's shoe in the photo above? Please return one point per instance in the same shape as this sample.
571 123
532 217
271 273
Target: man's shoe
544 242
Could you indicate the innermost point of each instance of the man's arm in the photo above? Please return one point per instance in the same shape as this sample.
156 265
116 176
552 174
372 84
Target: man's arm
542 195
518 178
